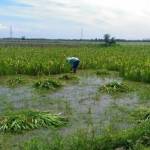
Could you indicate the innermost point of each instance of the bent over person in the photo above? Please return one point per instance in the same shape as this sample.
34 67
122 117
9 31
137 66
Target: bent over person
74 62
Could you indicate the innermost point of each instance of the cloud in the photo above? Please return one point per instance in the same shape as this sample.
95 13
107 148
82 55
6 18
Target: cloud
119 17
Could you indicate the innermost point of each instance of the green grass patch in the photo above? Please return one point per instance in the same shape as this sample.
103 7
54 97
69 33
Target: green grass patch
15 122
48 84
115 87
141 114
127 138
88 140
134 138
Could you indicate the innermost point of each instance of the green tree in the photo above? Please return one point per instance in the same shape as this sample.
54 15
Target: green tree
106 39
112 41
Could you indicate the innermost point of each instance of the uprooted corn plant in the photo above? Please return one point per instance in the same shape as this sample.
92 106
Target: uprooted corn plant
28 120
48 84
115 87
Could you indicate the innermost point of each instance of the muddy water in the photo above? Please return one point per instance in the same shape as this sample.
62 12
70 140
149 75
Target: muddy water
81 100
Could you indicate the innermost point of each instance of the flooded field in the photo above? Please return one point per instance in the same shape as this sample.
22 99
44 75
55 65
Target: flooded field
80 101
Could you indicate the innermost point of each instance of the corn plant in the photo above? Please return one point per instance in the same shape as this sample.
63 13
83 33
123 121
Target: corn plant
131 61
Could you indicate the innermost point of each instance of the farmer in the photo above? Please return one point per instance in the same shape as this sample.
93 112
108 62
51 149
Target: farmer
74 62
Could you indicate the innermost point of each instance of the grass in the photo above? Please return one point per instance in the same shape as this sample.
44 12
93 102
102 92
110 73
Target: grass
115 87
128 138
141 114
135 138
48 84
15 122
83 140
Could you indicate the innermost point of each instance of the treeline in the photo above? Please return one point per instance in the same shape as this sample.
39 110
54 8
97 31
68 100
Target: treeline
65 40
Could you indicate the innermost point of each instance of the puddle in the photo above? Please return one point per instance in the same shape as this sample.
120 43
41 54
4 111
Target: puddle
81 96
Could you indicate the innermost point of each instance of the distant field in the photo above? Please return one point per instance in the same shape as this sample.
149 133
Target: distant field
68 42
134 43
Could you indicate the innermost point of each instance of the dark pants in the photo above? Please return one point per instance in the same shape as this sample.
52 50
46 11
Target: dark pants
75 66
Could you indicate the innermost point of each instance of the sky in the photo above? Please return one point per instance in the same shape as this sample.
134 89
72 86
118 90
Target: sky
65 19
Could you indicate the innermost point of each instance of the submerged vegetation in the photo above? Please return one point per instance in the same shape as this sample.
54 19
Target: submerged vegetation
68 77
15 81
115 87
27 120
102 72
